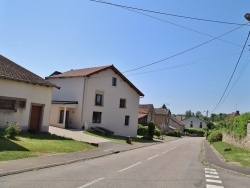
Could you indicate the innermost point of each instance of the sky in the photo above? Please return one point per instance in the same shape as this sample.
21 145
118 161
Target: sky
173 60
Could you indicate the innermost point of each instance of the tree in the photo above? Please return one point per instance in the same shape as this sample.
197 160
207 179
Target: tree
188 114
198 114
164 106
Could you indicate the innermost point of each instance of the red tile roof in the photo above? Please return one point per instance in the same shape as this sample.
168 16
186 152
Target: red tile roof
13 71
176 120
162 111
87 72
144 108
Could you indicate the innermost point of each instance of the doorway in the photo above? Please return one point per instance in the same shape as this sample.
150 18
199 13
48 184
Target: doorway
35 118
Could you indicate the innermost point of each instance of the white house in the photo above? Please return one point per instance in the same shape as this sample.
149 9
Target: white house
98 96
25 98
194 122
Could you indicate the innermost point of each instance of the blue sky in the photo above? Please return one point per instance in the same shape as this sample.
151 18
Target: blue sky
45 36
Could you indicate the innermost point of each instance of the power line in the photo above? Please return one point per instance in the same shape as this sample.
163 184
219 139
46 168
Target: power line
180 53
232 73
182 26
167 14
240 74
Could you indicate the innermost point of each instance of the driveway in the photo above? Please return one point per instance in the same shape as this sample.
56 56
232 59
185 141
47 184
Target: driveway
76 134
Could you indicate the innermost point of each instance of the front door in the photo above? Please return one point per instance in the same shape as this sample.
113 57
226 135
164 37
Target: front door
67 120
35 118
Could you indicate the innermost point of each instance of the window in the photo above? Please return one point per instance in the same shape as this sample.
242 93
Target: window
122 103
7 104
113 81
191 125
61 116
97 117
200 124
126 120
21 104
98 100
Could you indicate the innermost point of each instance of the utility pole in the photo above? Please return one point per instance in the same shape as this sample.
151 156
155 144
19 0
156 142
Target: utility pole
206 124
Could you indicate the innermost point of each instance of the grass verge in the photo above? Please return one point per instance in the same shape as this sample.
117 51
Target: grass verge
120 139
33 145
236 154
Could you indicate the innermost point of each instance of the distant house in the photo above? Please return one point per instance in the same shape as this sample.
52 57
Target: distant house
146 113
25 98
233 114
162 118
97 96
194 122
176 124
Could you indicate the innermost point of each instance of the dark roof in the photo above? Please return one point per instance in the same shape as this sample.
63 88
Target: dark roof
144 108
13 71
162 111
64 102
87 72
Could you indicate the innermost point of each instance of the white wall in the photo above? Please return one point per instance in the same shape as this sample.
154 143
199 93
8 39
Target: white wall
113 117
71 90
34 94
196 122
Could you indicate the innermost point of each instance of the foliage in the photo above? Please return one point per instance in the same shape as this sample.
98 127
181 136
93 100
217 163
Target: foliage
175 133
239 125
142 130
195 131
215 136
151 129
12 130
164 106
157 132
236 154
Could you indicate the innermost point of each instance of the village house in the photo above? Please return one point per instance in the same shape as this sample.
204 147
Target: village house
95 97
25 98
146 113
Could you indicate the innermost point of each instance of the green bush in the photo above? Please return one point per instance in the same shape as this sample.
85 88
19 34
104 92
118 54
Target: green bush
199 132
12 130
175 133
157 132
151 129
215 136
142 130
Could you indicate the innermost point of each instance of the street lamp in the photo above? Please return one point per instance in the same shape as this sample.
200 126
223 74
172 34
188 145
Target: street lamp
247 16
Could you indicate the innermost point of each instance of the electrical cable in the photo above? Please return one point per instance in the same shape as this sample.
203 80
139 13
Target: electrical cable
167 14
232 74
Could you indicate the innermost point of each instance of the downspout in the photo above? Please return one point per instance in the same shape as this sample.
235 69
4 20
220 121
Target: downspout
84 93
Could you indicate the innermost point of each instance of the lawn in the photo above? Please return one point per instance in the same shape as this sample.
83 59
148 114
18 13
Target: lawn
33 145
122 139
236 154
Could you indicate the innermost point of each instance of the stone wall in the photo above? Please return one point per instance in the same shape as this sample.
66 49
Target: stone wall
244 142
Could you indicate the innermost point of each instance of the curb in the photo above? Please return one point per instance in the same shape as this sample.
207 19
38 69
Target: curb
74 161
206 163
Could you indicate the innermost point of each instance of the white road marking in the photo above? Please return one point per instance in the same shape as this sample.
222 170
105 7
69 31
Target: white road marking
152 157
211 176
210 169
90 183
214 186
213 181
211 172
166 151
129 167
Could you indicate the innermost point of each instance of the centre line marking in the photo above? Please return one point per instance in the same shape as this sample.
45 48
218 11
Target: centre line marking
90 183
166 151
152 157
211 176
129 167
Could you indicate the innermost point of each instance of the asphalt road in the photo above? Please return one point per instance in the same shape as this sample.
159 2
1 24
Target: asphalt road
171 164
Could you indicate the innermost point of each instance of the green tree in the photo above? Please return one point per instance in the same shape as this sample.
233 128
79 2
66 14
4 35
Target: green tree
198 114
164 106
188 114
